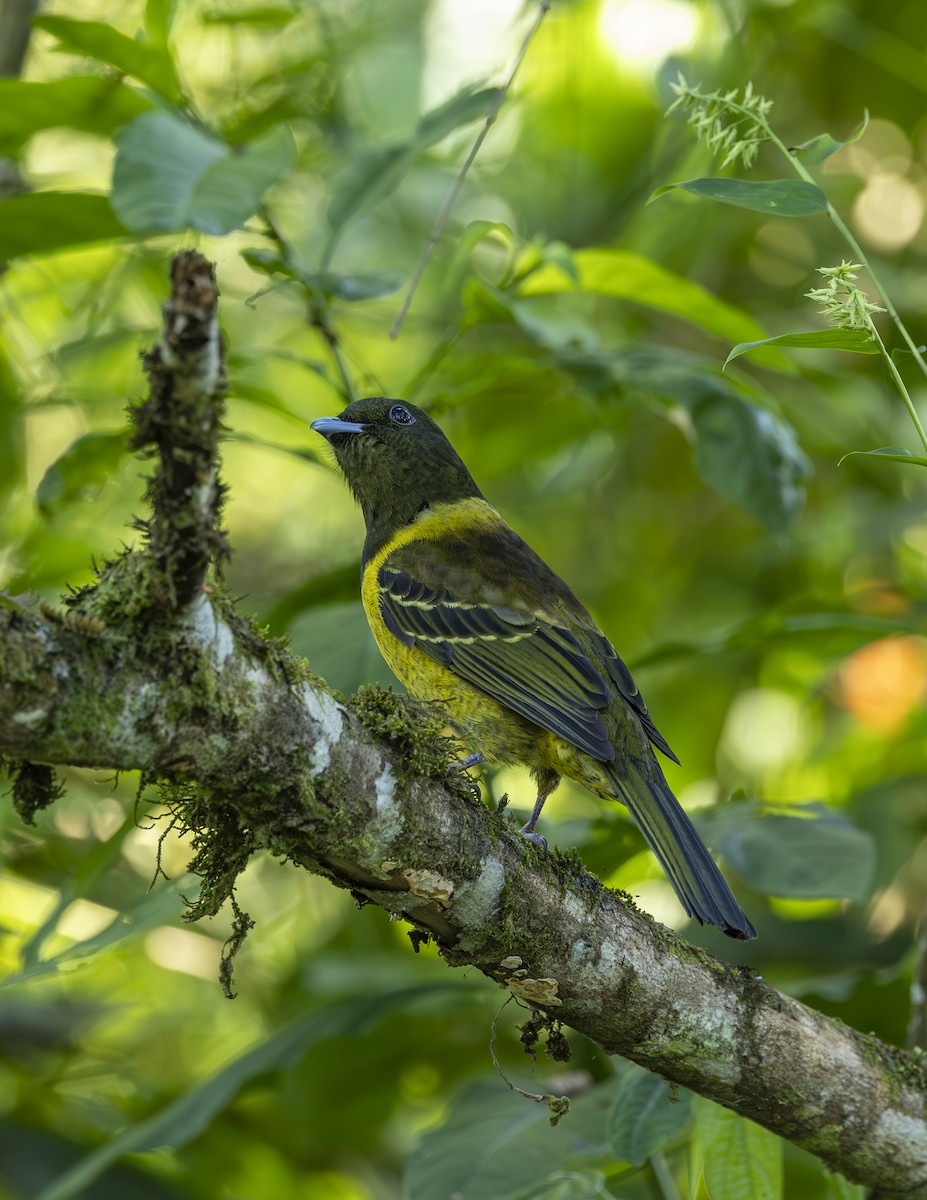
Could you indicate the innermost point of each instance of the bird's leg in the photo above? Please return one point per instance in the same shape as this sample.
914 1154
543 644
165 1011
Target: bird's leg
472 760
527 830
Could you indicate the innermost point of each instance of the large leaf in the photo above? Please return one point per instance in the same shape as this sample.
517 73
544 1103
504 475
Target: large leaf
169 175
855 340
809 853
149 62
645 1116
84 467
494 1145
90 103
776 197
740 1160
376 172
745 451
630 276
184 1119
355 286
750 456
38 222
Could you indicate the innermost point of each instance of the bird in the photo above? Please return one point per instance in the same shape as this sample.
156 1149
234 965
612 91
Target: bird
466 614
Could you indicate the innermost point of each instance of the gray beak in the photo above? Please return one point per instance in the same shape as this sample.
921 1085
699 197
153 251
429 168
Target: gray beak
329 425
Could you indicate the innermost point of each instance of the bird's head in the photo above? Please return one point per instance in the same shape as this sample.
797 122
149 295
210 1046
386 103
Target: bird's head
397 462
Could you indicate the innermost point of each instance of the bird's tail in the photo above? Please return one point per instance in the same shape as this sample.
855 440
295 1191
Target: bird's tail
699 884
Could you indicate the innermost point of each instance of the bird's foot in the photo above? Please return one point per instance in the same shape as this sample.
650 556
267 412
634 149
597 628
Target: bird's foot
472 760
536 840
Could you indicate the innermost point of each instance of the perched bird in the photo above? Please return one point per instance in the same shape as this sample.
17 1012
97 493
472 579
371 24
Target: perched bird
467 614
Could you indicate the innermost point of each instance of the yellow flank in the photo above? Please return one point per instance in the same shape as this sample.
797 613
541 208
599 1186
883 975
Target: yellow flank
496 731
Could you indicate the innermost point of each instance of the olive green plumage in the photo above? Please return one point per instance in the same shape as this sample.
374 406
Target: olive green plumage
466 613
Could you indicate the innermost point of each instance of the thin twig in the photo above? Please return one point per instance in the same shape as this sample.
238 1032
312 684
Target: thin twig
543 8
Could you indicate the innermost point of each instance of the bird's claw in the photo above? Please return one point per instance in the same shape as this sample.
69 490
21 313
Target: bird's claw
536 840
472 760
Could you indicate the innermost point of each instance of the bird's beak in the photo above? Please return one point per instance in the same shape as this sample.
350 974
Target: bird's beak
329 425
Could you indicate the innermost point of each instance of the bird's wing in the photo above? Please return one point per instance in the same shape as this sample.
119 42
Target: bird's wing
536 668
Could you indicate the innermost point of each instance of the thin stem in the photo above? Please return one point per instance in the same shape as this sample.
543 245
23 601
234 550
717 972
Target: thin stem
802 171
445 211
899 383
663 1177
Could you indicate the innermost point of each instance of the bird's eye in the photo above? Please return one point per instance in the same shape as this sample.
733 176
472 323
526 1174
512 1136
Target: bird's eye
400 415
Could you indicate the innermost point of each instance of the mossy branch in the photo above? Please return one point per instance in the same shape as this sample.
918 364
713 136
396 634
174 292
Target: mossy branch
259 755
179 424
252 752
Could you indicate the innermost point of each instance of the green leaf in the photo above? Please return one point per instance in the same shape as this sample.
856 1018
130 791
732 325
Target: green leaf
156 908
645 1116
840 1188
272 18
90 103
746 452
147 61
38 222
493 1144
170 176
359 286
629 276
741 1160
823 146
892 453
855 340
82 469
809 853
159 18
374 173
337 586
337 641
12 441
777 197
187 1116
752 457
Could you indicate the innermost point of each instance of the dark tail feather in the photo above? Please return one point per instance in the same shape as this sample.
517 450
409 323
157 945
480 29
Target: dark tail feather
699 884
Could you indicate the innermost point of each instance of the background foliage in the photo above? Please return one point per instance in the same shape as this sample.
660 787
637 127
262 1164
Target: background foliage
569 338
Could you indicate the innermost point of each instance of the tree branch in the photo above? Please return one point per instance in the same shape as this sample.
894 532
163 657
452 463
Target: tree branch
282 765
251 752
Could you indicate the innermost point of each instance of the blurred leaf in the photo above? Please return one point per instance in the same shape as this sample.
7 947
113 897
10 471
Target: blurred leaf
83 468
184 1119
373 174
741 1160
147 61
823 146
855 340
645 1116
90 103
572 1185
493 1143
337 641
12 450
342 584
812 852
840 1188
762 630
273 18
157 908
37 222
159 18
170 176
777 197
892 453
752 457
248 123
630 276
358 286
